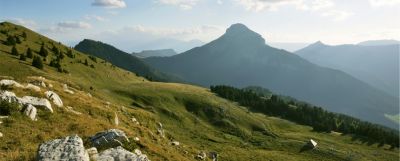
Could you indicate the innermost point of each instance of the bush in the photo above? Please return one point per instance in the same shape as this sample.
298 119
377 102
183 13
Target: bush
14 51
37 62
7 108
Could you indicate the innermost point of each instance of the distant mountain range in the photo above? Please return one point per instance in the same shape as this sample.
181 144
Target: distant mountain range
241 58
292 47
379 42
121 59
160 53
377 65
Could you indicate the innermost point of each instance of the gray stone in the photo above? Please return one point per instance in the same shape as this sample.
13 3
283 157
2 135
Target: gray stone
31 111
116 120
32 87
175 143
65 149
1 134
8 96
120 154
109 139
201 156
93 153
54 97
10 83
66 89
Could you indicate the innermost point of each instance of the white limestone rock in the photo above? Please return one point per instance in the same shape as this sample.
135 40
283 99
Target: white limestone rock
175 143
54 97
66 89
70 109
10 83
66 149
1 134
31 111
9 96
116 120
201 156
37 102
160 129
120 154
93 153
32 87
109 139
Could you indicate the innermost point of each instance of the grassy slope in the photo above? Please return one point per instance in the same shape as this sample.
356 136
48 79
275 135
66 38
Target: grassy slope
191 115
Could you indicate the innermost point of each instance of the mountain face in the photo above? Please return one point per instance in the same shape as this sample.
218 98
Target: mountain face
376 65
158 53
240 58
121 59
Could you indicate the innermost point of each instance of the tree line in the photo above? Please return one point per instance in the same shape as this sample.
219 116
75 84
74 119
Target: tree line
306 114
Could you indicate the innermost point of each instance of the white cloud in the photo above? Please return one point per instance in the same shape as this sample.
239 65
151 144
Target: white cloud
380 3
94 17
74 25
274 5
337 15
24 22
183 4
109 3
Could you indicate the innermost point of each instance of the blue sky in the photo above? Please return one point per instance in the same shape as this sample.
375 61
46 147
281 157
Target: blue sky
133 25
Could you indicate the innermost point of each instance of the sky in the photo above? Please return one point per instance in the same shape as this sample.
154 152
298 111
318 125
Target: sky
135 25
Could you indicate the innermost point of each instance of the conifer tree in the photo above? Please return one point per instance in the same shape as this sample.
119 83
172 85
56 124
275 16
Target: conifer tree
37 62
14 51
29 53
22 57
43 52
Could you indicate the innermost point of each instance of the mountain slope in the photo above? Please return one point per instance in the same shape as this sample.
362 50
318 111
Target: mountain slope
159 53
240 58
192 115
121 59
376 65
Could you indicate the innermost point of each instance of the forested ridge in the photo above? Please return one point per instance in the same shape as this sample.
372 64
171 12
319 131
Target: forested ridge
305 114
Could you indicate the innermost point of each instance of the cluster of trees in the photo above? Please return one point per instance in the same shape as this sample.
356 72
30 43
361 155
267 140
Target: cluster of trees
305 114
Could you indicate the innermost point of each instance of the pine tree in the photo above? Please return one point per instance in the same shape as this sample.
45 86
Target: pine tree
29 53
86 62
24 35
37 62
43 52
11 41
14 51
18 40
22 57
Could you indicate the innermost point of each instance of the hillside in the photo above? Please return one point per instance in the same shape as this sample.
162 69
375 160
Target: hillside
240 58
192 115
121 59
159 53
377 65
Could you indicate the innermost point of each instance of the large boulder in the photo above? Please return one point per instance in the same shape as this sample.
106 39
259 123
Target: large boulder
37 102
10 83
8 96
66 149
109 139
31 111
54 97
120 154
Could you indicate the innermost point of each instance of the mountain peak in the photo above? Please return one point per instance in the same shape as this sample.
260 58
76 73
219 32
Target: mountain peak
242 33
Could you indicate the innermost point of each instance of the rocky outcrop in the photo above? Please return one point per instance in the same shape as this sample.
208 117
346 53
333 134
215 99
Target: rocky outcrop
160 129
30 111
109 139
8 96
93 153
54 97
66 149
10 83
66 89
37 102
32 87
120 154
201 156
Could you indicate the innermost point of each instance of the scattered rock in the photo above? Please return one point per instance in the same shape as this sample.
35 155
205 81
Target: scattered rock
136 139
37 102
32 87
39 82
93 153
9 96
312 144
1 134
109 139
10 83
160 129
120 154
54 97
201 156
134 120
66 149
70 109
66 89
116 120
4 117
175 143
31 111
90 95
50 85
213 156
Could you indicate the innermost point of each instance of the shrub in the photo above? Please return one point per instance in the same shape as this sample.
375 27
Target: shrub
37 62
7 108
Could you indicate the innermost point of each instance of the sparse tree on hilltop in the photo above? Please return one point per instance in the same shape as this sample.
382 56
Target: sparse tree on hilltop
29 53
22 57
37 62
43 52
14 51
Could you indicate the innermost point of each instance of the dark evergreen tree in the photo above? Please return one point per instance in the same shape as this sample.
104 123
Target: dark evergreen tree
43 52
14 51
24 35
11 41
86 62
18 40
29 53
22 57
37 62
